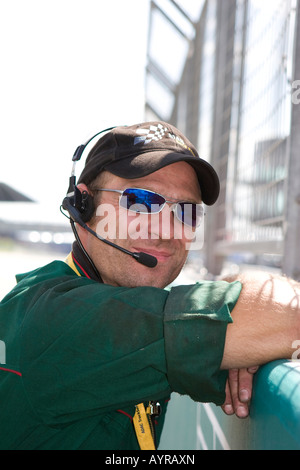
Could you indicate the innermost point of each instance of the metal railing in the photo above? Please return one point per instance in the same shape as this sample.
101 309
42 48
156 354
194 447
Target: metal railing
234 101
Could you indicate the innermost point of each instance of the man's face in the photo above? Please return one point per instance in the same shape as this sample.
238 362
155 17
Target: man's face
161 235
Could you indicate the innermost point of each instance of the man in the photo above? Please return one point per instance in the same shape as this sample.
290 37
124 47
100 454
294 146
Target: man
95 346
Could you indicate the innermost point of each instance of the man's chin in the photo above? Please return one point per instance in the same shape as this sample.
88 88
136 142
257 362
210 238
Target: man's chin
155 277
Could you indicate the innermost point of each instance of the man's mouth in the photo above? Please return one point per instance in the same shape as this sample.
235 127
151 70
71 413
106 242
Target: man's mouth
160 255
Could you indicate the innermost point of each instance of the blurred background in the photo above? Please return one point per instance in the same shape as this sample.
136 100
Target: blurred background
226 73
223 71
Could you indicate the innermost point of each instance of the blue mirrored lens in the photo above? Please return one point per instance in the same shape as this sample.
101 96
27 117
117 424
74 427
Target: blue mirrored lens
141 200
189 213
148 202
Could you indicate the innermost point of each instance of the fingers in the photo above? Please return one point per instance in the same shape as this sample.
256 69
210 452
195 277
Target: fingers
239 391
227 406
245 382
233 402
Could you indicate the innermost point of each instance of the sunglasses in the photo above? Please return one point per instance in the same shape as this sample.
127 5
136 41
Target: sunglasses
148 202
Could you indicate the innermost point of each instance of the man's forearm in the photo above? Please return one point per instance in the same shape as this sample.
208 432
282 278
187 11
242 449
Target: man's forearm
266 321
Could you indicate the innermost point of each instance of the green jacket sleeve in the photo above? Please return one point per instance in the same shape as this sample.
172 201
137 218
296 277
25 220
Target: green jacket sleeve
196 319
88 348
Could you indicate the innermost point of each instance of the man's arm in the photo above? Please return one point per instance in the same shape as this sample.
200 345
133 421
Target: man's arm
266 321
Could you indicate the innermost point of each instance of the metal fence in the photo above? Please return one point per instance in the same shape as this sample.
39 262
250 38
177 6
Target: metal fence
234 100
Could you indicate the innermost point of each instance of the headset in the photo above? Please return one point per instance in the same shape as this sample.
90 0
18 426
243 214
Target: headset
81 207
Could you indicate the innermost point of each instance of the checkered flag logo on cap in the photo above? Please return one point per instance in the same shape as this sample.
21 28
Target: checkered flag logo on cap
153 133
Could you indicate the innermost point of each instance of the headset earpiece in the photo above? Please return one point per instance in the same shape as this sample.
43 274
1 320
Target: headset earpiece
83 202
79 204
87 206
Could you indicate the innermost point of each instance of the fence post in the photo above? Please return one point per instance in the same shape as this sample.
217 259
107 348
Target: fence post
291 258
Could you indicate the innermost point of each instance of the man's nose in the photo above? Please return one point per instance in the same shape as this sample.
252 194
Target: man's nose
161 224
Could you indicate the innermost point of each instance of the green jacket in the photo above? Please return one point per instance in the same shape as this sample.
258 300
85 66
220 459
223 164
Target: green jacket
80 355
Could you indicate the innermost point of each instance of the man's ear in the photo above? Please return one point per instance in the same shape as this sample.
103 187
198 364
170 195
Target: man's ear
82 187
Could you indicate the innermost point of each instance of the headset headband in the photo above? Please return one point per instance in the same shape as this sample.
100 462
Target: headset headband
77 156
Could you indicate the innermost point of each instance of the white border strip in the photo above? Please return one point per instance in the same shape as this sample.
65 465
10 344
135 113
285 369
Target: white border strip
200 435
217 430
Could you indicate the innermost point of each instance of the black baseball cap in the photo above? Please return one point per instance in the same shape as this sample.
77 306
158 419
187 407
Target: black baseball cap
138 150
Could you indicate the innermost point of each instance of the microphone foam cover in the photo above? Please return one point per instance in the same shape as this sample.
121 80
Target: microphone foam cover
146 260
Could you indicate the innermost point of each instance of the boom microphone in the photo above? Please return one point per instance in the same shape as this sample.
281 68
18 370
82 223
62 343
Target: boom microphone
142 258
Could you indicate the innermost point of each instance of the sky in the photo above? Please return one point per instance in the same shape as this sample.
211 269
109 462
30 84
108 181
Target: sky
69 68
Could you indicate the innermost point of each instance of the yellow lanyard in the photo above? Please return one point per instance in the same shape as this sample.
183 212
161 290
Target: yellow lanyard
142 428
70 262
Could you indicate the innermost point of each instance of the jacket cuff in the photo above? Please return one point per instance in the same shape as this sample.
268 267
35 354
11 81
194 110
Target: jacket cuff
195 323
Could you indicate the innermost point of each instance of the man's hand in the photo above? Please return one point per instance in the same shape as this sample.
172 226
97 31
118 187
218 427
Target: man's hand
239 392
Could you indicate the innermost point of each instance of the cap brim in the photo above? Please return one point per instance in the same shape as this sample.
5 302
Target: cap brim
146 163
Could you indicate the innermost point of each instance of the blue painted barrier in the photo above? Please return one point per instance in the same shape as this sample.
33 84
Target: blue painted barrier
274 422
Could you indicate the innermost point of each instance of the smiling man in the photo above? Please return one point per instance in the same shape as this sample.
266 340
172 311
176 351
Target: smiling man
94 346
159 234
